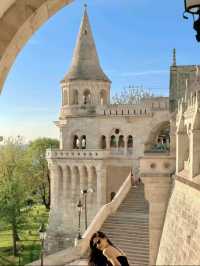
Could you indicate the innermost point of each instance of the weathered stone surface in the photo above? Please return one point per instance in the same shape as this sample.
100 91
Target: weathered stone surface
180 238
19 19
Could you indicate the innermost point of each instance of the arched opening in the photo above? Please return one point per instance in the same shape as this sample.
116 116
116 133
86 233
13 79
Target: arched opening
113 142
86 97
83 142
28 17
159 139
67 186
75 97
76 142
84 178
130 144
103 142
60 184
75 188
103 97
121 144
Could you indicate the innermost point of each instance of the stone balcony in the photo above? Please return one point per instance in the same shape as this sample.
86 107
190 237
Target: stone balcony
97 154
157 164
141 109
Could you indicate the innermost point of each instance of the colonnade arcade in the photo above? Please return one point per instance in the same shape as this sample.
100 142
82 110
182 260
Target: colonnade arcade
115 143
68 181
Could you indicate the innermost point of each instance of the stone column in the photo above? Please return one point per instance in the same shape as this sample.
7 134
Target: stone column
83 178
157 191
125 145
101 186
195 153
173 134
91 186
107 143
55 178
66 197
74 185
181 150
53 230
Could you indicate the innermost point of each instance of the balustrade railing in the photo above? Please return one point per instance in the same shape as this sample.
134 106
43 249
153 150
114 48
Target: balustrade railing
87 154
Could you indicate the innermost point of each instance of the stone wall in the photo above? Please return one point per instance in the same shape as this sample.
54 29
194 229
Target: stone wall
155 172
181 233
115 178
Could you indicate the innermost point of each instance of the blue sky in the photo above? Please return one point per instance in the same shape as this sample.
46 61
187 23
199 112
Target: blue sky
134 39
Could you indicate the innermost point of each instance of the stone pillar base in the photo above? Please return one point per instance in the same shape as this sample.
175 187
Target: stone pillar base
56 241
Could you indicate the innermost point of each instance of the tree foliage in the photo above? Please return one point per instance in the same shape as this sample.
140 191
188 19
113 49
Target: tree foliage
36 153
132 95
15 185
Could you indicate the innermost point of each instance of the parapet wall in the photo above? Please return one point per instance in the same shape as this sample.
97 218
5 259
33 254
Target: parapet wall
180 243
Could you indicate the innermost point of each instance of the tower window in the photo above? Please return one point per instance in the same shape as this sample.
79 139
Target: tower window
87 97
117 131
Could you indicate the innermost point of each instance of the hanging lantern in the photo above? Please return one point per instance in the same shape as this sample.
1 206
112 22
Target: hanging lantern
192 6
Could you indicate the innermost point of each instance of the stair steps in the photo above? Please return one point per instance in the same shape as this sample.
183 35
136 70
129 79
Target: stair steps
128 228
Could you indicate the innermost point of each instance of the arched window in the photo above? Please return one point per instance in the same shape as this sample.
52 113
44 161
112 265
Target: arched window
83 142
163 139
75 97
87 97
130 142
76 142
113 143
103 97
65 97
121 142
103 142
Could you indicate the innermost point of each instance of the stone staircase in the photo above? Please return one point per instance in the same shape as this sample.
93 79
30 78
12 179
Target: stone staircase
128 228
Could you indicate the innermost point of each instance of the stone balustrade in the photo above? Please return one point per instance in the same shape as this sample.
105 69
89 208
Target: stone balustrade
125 110
68 255
146 108
87 154
82 154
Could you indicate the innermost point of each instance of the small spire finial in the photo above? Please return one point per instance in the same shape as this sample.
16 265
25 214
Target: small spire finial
174 57
85 6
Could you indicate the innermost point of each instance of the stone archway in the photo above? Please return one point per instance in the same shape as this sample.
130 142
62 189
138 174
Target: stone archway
159 137
19 20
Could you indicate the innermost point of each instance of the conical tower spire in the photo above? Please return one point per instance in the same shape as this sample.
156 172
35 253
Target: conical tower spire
174 57
85 62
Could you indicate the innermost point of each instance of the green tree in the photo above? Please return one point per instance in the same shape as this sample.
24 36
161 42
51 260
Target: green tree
15 186
36 152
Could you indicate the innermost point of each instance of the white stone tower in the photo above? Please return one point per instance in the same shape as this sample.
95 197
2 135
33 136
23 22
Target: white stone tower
84 88
85 83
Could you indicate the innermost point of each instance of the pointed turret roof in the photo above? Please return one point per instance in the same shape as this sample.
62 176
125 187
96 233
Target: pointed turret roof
174 57
85 62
